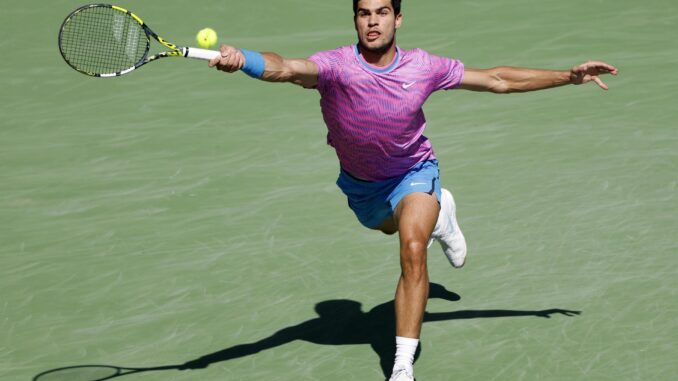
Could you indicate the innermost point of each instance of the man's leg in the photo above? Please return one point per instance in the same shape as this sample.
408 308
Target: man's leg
415 216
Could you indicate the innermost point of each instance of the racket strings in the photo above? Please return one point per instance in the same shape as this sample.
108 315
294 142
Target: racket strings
102 40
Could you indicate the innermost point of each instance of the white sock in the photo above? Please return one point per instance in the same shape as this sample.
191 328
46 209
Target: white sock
405 349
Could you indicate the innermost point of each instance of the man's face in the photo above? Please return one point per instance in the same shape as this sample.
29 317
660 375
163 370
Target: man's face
376 24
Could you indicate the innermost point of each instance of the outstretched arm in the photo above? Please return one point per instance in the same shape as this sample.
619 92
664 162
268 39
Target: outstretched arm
506 79
475 314
301 72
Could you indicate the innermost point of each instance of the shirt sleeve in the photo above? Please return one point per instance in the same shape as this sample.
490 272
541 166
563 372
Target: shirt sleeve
447 73
327 67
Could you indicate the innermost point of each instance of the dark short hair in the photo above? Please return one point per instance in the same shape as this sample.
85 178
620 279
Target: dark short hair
395 3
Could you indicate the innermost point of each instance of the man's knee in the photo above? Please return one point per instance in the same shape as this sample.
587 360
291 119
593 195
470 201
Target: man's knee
413 258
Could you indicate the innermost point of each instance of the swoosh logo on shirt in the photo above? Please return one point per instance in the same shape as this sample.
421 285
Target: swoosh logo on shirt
408 85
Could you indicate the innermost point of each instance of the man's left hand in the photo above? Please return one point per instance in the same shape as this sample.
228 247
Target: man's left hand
591 71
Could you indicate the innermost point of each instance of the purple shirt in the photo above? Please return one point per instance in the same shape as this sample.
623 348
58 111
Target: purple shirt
374 115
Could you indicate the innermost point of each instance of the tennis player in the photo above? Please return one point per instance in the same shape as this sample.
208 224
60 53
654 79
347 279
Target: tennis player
371 99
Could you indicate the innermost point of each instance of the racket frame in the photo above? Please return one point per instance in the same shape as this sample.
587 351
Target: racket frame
174 51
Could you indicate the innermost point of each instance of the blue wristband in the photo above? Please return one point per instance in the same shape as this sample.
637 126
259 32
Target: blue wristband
254 63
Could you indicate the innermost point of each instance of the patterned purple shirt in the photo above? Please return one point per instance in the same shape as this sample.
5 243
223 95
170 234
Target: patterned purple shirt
374 115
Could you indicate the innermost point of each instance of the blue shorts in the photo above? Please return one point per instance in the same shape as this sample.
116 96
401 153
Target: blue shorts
374 201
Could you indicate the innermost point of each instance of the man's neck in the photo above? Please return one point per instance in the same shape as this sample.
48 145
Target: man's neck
378 58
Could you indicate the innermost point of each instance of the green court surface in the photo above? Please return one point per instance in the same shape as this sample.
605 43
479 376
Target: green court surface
181 215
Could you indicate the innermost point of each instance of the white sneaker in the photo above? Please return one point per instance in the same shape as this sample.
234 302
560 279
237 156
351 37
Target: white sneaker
402 374
448 233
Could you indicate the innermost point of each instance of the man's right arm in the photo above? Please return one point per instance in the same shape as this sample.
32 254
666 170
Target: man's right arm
301 72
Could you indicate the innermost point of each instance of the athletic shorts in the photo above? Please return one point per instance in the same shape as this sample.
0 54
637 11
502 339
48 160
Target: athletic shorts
374 201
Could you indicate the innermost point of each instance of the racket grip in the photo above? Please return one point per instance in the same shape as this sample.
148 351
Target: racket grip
201 54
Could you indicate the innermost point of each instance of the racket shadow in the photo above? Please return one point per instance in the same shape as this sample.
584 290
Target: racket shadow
339 322
94 372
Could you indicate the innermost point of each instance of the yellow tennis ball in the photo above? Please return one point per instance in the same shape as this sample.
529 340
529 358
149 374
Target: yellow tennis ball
206 38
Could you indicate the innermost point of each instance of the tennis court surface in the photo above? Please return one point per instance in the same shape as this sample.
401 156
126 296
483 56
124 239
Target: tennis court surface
180 215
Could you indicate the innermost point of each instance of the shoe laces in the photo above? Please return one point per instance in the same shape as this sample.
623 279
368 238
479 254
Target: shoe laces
402 374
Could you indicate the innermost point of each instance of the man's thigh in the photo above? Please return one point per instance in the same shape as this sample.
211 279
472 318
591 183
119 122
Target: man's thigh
416 216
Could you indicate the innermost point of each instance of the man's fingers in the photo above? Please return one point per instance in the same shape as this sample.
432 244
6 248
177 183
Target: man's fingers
595 65
600 83
605 67
229 60
232 63
214 61
583 68
240 62
225 49
599 66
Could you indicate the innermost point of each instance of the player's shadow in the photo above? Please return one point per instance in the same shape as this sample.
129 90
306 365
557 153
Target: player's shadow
342 322
339 322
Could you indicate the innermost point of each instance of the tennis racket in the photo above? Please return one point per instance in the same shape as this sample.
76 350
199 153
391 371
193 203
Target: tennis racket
93 372
103 40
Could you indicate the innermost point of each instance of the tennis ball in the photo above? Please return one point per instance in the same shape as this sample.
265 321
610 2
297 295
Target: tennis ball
206 38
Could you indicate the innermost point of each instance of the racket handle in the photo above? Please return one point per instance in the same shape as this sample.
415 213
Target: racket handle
201 54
